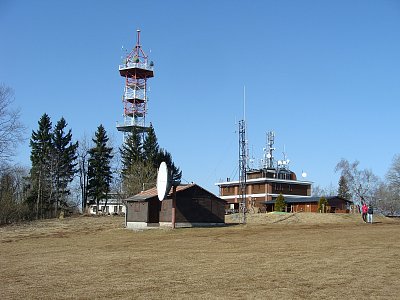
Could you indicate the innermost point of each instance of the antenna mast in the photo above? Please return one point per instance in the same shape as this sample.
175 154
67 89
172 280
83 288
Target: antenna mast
269 159
242 168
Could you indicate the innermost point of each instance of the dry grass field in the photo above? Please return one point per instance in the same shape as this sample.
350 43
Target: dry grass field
303 256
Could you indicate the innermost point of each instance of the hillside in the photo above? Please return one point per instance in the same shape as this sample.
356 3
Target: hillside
275 256
303 218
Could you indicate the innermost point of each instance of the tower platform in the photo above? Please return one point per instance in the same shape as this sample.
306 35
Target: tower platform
138 70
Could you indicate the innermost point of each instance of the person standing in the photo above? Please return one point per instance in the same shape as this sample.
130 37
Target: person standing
370 212
364 211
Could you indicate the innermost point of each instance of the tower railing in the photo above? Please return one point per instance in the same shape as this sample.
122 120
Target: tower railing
132 65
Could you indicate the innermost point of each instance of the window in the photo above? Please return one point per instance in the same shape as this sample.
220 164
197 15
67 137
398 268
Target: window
115 209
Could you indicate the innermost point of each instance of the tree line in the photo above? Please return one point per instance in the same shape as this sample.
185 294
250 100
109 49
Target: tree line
66 175
362 185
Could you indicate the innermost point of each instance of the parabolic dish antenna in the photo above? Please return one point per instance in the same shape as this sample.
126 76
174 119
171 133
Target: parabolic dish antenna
304 174
269 155
163 181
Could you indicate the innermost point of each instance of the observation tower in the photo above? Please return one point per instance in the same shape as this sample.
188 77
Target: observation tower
136 69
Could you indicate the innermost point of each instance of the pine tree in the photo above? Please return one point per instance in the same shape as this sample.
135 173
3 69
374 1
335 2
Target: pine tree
131 151
41 147
64 158
165 156
280 203
140 162
151 148
99 171
343 189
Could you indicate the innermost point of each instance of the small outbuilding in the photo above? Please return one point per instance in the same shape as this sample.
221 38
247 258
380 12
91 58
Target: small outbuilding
195 206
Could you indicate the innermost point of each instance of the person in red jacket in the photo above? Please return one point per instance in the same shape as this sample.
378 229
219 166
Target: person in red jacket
364 211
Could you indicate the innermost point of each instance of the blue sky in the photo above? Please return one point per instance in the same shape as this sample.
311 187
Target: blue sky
324 75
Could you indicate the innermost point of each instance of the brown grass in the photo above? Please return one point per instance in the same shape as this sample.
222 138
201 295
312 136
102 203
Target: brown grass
305 256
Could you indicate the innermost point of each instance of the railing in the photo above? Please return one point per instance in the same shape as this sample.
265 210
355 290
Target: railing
131 65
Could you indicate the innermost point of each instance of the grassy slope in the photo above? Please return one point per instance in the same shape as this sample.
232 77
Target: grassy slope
95 258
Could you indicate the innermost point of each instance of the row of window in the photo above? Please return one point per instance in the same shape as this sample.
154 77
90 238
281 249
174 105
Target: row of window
106 209
257 189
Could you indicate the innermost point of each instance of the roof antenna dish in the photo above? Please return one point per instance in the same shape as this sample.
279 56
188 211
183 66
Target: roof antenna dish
303 174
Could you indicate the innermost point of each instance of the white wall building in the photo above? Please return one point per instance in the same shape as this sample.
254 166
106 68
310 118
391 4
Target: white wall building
114 206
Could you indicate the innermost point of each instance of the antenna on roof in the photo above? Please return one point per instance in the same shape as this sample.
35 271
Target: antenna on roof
244 103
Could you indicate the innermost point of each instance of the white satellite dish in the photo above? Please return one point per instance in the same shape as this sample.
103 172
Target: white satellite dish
163 181
304 174
269 155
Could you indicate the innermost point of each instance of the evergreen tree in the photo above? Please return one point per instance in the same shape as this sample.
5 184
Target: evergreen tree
140 162
151 148
280 203
64 162
99 171
41 147
322 205
343 189
165 156
131 151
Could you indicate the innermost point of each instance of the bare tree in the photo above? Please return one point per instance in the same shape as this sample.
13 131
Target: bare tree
388 201
13 195
140 176
317 190
363 184
83 156
11 129
393 175
389 193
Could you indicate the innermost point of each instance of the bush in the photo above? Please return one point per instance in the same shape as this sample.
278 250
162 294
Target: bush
280 203
322 205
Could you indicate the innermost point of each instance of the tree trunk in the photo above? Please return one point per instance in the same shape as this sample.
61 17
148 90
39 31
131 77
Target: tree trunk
38 195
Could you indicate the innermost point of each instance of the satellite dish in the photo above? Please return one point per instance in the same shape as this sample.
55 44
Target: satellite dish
163 181
269 155
304 174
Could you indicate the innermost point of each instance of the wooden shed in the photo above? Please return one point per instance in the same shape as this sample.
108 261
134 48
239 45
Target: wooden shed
195 206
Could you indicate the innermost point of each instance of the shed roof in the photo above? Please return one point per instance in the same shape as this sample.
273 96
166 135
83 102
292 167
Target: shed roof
152 193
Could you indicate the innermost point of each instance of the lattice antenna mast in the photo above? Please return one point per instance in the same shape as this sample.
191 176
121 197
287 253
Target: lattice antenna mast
137 54
269 157
136 69
242 168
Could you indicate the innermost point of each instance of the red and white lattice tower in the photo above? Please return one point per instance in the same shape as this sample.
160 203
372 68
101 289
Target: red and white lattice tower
136 69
